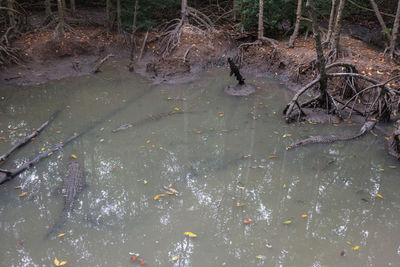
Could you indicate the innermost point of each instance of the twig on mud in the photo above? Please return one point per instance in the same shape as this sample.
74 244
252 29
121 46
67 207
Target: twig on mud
143 45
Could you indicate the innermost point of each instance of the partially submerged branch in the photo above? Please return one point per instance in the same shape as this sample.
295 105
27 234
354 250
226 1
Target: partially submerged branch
28 138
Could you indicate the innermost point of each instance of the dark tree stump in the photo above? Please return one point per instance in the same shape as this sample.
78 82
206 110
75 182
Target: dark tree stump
241 89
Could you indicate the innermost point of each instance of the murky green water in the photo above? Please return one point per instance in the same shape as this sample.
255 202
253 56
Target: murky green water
216 155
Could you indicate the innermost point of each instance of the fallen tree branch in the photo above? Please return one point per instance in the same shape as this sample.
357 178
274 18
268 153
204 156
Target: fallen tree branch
9 174
97 67
28 138
366 8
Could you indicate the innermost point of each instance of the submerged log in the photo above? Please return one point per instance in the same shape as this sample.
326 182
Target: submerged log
9 174
394 141
28 138
150 118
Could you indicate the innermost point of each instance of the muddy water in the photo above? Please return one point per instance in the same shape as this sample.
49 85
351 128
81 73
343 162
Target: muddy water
217 155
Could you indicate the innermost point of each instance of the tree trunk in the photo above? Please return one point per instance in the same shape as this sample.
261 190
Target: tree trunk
320 54
260 20
47 5
234 10
381 21
108 14
11 15
395 31
297 25
61 23
73 7
64 4
119 16
131 63
336 30
184 12
331 22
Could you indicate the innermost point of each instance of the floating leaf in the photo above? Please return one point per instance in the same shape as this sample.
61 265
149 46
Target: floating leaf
43 149
261 257
304 215
289 147
101 140
63 263
158 196
342 253
142 262
392 167
119 203
348 243
373 133
356 248
17 187
133 258
198 132
190 234
382 170
147 141
74 156
284 186
176 108
175 258
379 195
246 221
58 132
388 138
51 153
221 114
272 156
61 235
286 135
145 181
240 204
56 262
23 194
287 222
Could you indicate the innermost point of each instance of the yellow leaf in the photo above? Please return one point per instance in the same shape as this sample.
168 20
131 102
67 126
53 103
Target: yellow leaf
51 153
43 149
177 108
119 203
56 262
23 194
221 114
61 235
158 196
58 132
382 170
74 156
348 243
373 133
17 187
145 181
304 215
272 156
356 248
240 204
190 234
63 263
379 195
175 258
147 141
101 140
286 135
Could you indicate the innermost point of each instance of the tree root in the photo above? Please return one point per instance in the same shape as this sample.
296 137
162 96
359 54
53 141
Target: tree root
383 97
171 36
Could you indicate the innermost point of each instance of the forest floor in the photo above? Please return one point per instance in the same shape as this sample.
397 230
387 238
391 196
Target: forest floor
48 57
